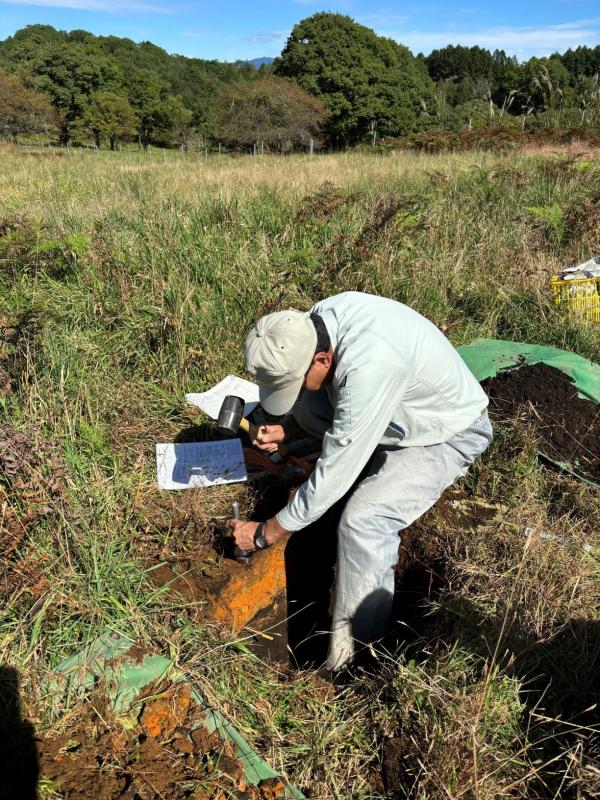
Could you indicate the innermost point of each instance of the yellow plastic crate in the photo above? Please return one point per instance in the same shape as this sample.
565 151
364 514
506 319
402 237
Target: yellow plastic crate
581 295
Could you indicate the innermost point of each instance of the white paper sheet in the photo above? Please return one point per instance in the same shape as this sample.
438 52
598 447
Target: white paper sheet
200 464
210 402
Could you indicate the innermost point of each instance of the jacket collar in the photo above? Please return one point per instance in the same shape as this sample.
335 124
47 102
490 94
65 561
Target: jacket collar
330 323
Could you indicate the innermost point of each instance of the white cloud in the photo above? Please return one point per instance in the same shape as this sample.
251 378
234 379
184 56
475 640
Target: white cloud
266 37
522 41
110 6
196 33
381 19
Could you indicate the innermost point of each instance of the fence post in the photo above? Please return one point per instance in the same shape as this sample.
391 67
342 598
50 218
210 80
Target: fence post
311 146
254 149
219 148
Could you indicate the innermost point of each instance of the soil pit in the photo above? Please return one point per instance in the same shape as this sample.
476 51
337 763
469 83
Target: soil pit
280 603
269 602
568 427
198 568
165 754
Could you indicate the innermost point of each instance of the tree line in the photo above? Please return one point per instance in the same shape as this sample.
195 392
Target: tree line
336 82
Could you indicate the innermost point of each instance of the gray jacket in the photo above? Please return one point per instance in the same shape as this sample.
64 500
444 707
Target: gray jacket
398 381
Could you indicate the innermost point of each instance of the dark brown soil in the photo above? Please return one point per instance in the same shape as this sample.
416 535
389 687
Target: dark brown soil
545 398
269 631
194 581
393 767
186 544
168 754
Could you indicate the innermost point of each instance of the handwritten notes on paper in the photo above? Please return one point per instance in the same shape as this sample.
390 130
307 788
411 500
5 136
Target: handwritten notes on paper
202 464
210 402
199 464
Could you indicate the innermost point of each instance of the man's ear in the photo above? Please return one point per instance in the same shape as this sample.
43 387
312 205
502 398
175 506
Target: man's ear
324 359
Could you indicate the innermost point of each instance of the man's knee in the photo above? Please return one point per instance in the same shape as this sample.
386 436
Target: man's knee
354 520
366 539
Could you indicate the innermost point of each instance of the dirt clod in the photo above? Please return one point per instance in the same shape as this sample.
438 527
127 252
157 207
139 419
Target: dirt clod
162 716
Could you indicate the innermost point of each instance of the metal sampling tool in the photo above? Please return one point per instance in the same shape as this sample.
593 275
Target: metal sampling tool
241 556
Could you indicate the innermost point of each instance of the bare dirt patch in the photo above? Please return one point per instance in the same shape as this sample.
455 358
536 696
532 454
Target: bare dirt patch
166 753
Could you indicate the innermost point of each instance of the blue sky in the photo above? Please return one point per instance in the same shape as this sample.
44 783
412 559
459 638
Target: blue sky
233 29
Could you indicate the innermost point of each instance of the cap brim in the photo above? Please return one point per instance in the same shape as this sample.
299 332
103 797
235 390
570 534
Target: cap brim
278 401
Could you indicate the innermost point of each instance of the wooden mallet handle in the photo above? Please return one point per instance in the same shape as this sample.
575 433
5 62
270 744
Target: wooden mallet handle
249 428
253 432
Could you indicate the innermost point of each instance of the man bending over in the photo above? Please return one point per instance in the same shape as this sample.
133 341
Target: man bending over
384 389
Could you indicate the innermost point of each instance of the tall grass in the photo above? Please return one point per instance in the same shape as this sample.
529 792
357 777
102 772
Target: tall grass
126 282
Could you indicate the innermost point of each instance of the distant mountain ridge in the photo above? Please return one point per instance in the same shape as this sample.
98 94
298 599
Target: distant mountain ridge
261 62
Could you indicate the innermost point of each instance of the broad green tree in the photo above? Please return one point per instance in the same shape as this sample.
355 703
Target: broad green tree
67 73
582 62
178 119
545 87
456 61
23 111
149 95
272 110
506 81
366 82
109 116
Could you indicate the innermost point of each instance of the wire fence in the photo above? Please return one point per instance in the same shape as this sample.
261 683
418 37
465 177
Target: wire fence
151 152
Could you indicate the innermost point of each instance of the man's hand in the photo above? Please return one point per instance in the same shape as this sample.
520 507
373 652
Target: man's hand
243 532
269 437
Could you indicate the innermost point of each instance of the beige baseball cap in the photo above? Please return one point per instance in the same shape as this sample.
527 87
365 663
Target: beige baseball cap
279 350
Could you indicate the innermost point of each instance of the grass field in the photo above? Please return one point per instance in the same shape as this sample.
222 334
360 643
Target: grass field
126 282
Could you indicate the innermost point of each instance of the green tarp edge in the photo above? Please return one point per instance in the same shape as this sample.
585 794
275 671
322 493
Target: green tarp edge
106 659
487 357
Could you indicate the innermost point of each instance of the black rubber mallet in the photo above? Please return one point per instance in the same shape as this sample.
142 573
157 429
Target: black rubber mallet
231 418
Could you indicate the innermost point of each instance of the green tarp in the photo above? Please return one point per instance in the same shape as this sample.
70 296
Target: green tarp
486 357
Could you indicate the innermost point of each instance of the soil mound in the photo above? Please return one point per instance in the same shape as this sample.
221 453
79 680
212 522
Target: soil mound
544 397
168 754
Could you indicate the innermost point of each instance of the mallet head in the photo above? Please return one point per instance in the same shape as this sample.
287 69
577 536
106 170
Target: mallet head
230 415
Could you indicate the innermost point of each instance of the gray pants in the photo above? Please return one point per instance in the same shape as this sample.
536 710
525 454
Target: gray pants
401 484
